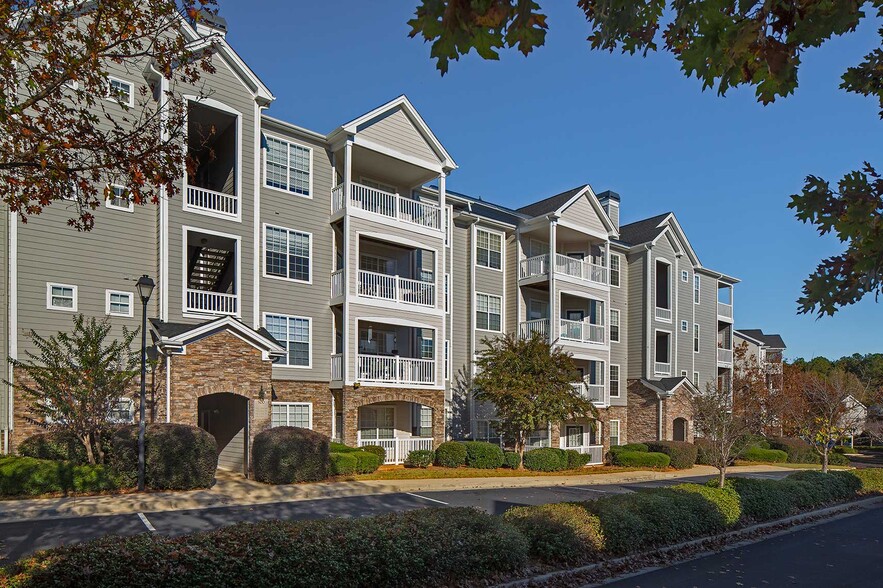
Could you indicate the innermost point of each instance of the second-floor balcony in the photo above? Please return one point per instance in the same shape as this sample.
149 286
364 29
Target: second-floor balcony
724 356
393 369
386 204
396 288
596 393
663 314
207 200
661 368
582 332
725 311
580 269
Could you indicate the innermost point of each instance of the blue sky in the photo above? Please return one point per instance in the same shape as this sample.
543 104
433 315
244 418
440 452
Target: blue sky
522 129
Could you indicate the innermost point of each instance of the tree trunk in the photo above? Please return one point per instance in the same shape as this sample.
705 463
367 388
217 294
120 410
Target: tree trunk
519 447
87 441
825 460
97 437
722 477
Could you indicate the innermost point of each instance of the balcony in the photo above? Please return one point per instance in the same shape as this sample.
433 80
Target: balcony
397 449
386 204
725 311
537 265
213 178
205 302
393 369
527 329
663 314
724 356
205 200
596 393
337 367
337 288
582 332
661 368
580 269
396 288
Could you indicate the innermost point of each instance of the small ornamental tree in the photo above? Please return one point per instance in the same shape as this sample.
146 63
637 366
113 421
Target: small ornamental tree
531 385
752 390
73 380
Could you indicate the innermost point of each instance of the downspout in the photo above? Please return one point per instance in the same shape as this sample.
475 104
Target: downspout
168 388
659 433
648 373
163 203
12 321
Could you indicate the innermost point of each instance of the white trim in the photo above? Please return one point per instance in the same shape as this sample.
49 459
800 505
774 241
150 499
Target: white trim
164 289
108 96
618 380
289 142
695 381
264 254
685 276
618 270
227 322
12 318
238 239
697 339
502 236
309 320
685 326
107 295
288 412
256 233
618 325
108 201
49 306
475 312
697 289
618 431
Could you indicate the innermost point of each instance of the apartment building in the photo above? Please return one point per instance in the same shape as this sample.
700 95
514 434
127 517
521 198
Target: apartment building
332 281
763 351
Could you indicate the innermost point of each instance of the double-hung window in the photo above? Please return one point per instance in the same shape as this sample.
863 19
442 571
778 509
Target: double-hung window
613 425
293 333
697 285
121 91
488 312
614 380
614 325
615 261
289 167
292 414
118 303
119 198
287 253
61 297
489 249
695 338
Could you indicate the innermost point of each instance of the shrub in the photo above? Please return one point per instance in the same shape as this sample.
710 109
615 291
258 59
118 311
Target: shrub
176 457
342 464
545 459
558 533
28 476
845 450
838 459
376 450
761 500
511 459
641 459
419 458
576 460
798 450
725 500
451 546
704 451
831 486
366 463
283 455
54 445
682 454
335 447
450 454
871 480
483 455
768 455
631 447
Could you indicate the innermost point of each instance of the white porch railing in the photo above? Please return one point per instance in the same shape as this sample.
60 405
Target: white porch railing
538 265
596 451
592 392
582 331
337 283
528 328
724 355
580 268
397 450
661 369
211 201
337 367
212 302
725 310
376 285
386 204
393 369
663 314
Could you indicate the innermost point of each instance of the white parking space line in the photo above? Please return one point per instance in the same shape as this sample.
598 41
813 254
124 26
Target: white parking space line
147 524
426 498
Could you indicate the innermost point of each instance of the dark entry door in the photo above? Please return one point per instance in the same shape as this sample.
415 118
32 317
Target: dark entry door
225 416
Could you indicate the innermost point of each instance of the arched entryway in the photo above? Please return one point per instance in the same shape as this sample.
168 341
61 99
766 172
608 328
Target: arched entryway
679 429
225 415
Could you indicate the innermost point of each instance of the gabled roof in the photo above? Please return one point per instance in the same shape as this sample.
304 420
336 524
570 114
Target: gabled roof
668 386
774 341
176 335
643 231
560 202
488 210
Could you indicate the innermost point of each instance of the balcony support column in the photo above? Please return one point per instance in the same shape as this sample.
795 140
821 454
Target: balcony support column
554 318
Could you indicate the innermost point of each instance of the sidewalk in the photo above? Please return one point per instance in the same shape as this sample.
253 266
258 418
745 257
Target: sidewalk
233 490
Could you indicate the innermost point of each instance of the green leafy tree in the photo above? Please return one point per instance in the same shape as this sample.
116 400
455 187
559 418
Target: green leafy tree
530 383
724 44
72 381
63 137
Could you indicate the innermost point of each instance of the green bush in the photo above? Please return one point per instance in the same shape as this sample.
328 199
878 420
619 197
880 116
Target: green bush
419 458
631 447
366 463
576 460
28 476
450 454
511 460
838 459
767 455
558 533
682 454
342 464
756 441
845 450
545 459
871 480
482 455
54 445
640 459
704 451
335 447
424 547
761 500
832 486
176 457
376 450
284 455
798 450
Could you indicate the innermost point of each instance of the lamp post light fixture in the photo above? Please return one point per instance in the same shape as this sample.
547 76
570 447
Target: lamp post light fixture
145 288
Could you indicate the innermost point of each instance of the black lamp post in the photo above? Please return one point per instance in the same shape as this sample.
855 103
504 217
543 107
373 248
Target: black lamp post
145 288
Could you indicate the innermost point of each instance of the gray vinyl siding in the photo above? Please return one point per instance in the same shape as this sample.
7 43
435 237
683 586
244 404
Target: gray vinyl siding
460 334
292 298
663 249
706 318
510 312
686 312
637 315
584 214
490 281
396 131
619 352
4 317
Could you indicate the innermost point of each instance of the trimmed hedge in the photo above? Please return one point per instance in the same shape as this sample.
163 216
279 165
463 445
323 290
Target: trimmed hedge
764 500
419 458
284 455
366 463
545 459
640 459
871 480
176 457
631 447
376 450
450 454
845 450
511 459
483 455
342 464
682 454
424 547
559 533
768 455
28 476
54 445
576 460
798 450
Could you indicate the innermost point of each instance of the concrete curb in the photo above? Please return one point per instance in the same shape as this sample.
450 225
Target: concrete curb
231 491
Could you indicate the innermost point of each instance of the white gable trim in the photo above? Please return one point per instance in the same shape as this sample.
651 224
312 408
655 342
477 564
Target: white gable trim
227 323
596 205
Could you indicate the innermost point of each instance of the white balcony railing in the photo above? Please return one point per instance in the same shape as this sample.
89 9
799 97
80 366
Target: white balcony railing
596 451
528 328
211 201
593 392
397 450
337 367
724 355
582 331
204 301
387 204
663 314
387 287
538 265
580 268
393 369
725 310
337 283
661 368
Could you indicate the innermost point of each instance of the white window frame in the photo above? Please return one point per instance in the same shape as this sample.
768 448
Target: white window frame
288 317
696 338
288 231
288 166
108 202
491 233
124 399
696 379
113 97
618 325
610 380
109 293
697 288
685 275
448 363
618 270
684 374
502 312
685 326
610 427
50 306
448 293
287 406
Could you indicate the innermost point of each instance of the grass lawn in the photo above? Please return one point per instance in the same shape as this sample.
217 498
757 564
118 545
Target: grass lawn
403 473
793 466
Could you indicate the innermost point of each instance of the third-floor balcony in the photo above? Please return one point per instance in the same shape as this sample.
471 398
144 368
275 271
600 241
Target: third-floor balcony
724 356
725 311
386 204
213 181
582 332
396 288
580 269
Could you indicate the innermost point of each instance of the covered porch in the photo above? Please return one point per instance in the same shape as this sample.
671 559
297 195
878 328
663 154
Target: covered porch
399 427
